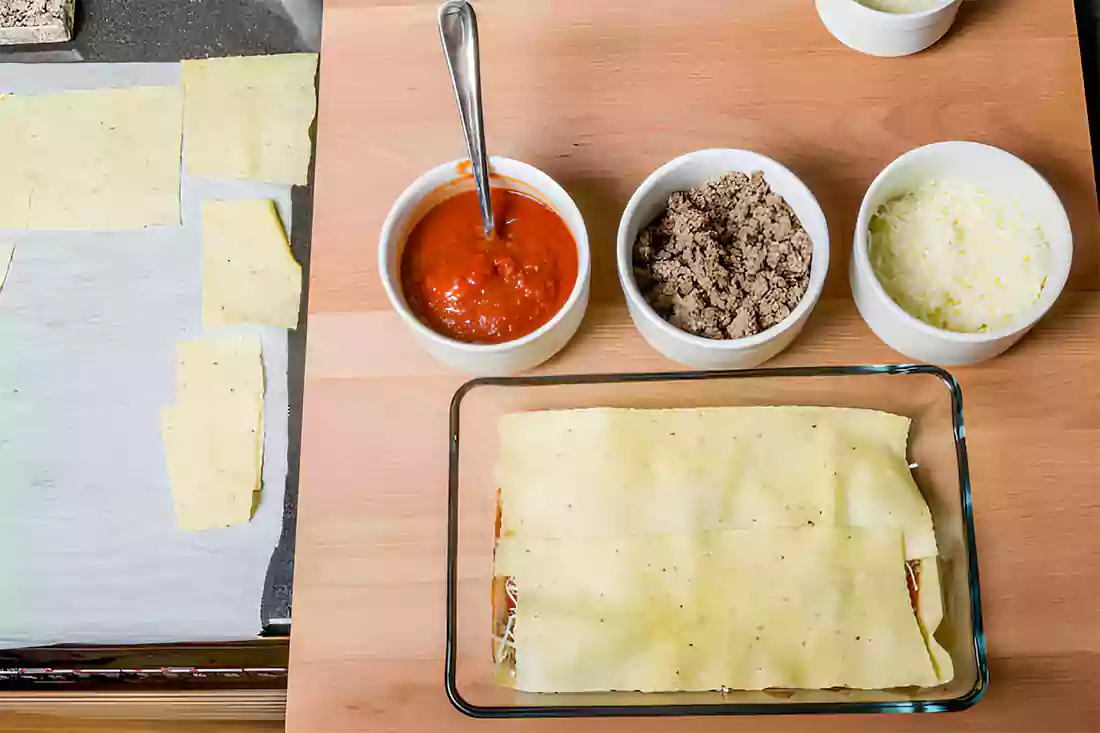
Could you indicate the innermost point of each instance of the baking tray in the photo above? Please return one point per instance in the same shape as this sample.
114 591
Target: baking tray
937 451
257 664
239 679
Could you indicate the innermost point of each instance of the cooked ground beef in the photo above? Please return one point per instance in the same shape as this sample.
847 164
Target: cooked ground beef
725 260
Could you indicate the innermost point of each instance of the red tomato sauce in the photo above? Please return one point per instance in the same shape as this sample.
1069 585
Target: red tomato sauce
912 580
509 604
469 288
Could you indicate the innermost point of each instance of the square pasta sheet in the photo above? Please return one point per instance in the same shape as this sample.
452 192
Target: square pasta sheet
104 159
248 117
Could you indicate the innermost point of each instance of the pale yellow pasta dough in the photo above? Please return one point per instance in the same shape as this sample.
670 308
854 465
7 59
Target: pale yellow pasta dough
103 159
213 435
603 472
248 272
220 365
226 365
249 117
810 608
212 448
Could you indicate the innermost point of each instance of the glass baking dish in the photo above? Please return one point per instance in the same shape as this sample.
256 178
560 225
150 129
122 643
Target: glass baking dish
937 449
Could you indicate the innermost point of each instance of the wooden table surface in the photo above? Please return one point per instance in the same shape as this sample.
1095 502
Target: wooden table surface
598 93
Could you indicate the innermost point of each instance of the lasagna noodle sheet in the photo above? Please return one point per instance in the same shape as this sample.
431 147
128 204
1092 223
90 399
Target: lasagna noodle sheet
219 366
213 436
102 159
746 609
249 117
248 272
610 472
213 451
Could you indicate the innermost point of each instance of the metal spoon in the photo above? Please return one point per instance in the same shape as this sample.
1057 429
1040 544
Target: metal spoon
458 31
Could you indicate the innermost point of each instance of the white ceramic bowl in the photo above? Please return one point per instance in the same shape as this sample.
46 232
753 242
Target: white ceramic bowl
485 359
1001 175
651 199
886 34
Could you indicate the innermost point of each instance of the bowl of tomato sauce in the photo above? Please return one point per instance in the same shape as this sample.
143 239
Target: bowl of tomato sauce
487 305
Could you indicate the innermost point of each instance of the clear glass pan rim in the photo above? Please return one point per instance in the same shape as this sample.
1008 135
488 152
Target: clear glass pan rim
952 704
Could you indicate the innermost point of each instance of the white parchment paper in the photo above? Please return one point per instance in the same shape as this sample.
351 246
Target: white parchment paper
89 549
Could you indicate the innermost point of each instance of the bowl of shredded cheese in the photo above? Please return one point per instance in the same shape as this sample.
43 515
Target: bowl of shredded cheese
888 27
959 249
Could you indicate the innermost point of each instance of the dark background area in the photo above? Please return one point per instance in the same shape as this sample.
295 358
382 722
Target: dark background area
1088 31
170 30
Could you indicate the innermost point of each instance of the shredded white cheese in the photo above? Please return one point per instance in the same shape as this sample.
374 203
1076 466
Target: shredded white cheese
956 259
505 642
901 6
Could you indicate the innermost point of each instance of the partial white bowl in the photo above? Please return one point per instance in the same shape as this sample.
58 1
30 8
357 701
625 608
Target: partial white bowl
879 33
651 199
1003 176
485 359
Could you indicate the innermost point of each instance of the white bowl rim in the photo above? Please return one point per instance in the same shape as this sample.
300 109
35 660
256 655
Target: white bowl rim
1056 281
625 261
883 14
409 198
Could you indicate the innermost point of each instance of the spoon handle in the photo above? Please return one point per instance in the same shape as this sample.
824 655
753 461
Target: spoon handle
458 31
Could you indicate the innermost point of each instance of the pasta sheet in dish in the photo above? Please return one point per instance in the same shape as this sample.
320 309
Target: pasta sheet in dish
744 609
743 548
605 472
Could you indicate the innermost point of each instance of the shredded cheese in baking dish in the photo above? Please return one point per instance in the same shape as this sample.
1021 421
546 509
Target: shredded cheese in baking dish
956 259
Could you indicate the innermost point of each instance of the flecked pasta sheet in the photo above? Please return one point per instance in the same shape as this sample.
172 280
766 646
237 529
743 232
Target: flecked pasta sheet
603 472
213 440
809 607
91 159
249 117
695 549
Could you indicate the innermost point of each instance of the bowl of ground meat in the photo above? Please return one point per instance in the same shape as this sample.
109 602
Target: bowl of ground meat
722 254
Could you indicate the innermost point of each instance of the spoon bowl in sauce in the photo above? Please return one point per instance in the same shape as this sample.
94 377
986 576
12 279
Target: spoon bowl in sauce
487 307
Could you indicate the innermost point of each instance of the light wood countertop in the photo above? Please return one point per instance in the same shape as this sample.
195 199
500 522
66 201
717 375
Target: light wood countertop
598 93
